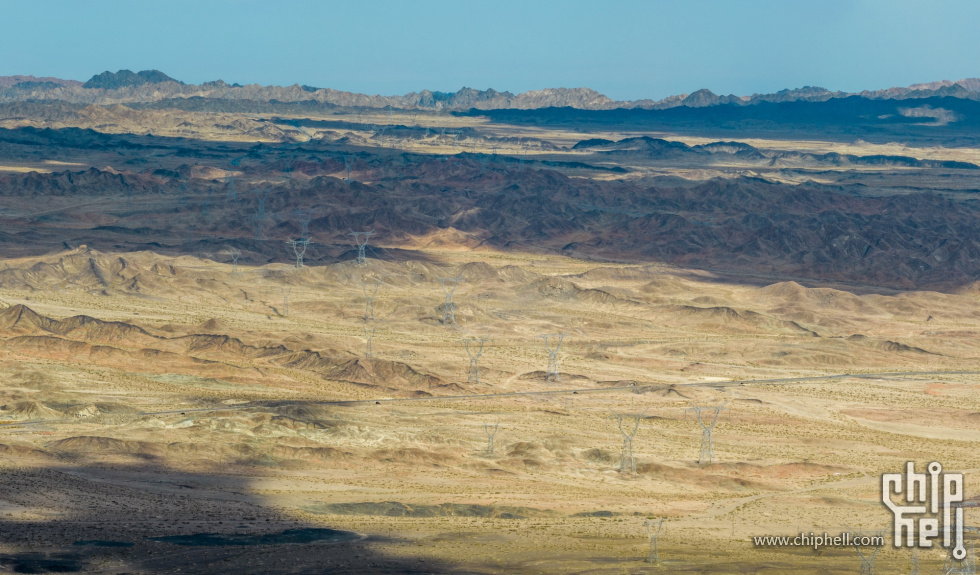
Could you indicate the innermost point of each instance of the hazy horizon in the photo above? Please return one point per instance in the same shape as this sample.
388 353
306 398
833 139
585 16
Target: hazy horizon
629 51
497 89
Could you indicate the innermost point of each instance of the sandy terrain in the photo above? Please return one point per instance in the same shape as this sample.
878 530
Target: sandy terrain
163 410
184 408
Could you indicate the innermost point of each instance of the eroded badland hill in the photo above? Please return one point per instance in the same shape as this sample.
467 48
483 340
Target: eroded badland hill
177 393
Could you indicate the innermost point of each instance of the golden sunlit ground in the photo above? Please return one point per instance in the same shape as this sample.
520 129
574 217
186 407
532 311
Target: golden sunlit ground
146 395
146 408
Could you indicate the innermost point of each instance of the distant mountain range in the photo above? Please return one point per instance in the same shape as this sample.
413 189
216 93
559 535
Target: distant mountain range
149 86
8 81
123 78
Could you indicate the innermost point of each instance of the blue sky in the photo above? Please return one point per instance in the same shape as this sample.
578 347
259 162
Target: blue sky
625 49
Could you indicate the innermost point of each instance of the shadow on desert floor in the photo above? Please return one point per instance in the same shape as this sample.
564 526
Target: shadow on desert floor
146 517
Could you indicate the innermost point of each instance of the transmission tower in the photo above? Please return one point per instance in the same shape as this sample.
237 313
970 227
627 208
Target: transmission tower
967 565
868 556
361 239
299 249
304 217
370 290
475 353
235 253
206 204
348 163
260 216
285 300
231 195
627 462
368 336
491 431
449 308
553 339
653 532
707 454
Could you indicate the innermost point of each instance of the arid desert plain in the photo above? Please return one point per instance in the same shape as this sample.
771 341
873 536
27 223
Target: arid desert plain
178 394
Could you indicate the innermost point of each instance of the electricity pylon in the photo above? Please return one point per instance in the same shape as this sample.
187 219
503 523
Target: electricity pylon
235 253
299 249
449 308
475 353
231 195
260 216
348 163
707 454
491 432
868 556
368 336
361 239
206 204
304 216
968 564
370 290
627 462
653 556
285 300
556 340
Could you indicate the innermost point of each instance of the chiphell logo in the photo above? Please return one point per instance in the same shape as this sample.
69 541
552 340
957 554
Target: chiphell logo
927 494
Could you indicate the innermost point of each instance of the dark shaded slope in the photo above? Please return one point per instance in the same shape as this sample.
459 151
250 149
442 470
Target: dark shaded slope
739 225
840 118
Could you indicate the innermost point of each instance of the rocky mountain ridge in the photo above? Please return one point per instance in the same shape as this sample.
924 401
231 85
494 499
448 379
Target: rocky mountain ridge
127 87
914 240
